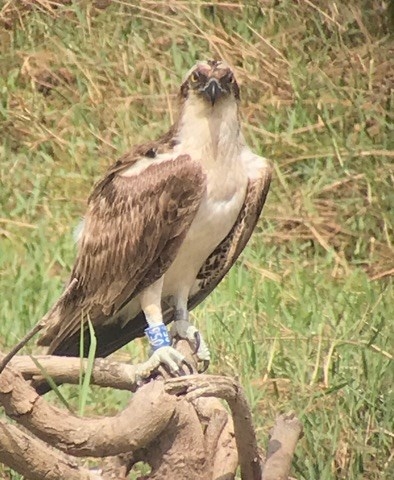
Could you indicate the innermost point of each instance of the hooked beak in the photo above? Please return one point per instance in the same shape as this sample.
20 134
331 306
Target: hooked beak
212 91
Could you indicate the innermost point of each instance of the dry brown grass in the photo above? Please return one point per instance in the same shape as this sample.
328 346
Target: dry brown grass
80 84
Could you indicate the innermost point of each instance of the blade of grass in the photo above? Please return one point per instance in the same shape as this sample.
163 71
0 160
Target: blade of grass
87 375
51 383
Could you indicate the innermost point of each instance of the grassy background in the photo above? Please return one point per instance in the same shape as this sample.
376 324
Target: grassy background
305 317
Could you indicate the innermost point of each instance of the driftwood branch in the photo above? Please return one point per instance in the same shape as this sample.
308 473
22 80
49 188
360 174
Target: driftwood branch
281 447
138 428
34 460
198 386
178 426
144 418
106 373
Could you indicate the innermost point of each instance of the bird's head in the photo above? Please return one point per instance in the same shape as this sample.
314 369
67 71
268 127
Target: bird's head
212 81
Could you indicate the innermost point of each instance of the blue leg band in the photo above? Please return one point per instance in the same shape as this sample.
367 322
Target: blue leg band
158 336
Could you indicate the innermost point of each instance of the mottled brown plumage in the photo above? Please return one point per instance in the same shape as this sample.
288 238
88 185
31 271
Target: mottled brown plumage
178 211
135 225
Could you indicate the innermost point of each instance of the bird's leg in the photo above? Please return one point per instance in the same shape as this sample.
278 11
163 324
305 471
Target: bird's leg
184 329
157 332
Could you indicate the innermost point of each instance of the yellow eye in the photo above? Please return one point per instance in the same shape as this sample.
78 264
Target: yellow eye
194 77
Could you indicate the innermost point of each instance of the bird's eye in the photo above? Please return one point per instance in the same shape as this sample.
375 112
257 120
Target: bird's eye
194 77
230 78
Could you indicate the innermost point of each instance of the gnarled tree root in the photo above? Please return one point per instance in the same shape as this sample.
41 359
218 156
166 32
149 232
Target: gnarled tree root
177 426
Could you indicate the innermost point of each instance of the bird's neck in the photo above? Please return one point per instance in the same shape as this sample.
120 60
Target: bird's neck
210 134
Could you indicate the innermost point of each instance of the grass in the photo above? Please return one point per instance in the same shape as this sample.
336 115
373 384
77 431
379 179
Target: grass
305 317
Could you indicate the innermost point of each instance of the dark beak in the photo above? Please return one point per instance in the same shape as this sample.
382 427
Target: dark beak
212 91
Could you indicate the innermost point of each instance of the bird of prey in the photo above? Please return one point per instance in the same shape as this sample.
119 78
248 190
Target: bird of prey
164 226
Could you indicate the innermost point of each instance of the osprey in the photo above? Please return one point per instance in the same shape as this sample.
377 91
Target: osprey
163 227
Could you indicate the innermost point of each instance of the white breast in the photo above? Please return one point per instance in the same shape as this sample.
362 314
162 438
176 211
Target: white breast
212 138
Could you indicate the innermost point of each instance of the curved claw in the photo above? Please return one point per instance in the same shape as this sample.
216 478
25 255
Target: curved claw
205 365
190 368
171 373
197 339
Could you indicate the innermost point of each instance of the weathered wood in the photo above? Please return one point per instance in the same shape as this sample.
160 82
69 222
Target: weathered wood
284 437
106 373
145 417
35 460
197 386
178 426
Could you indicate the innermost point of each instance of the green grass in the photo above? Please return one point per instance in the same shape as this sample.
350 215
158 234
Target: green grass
305 318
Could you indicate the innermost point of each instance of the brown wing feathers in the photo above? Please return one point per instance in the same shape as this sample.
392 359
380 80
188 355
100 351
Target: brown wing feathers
133 230
212 272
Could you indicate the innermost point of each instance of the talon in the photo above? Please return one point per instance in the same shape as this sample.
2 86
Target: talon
205 365
170 371
187 364
169 358
197 339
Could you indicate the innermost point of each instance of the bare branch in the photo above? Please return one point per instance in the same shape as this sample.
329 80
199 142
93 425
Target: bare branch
67 370
145 417
219 429
228 389
219 437
180 453
281 447
155 427
35 460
